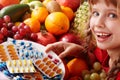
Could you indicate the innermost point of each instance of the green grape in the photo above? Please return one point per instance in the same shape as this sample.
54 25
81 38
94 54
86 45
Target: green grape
95 76
97 66
103 75
84 72
87 77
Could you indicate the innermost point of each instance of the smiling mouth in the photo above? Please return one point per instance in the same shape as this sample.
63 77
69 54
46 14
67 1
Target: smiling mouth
103 35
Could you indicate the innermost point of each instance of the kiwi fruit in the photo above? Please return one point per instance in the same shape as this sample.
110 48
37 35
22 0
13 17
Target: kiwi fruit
53 6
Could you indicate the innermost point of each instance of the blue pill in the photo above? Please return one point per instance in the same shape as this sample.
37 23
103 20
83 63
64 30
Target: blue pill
22 43
26 54
14 41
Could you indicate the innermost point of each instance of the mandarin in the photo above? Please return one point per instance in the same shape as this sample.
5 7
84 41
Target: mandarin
68 12
40 13
57 23
34 24
76 66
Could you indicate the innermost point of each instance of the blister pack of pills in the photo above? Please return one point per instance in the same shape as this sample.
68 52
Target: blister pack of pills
49 64
8 52
20 66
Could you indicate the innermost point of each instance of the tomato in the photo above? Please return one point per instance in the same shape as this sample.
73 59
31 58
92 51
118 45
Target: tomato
45 38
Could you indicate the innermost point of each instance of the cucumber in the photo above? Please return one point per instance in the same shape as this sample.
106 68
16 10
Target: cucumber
15 11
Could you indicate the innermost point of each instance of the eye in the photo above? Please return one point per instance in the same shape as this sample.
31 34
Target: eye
112 15
95 13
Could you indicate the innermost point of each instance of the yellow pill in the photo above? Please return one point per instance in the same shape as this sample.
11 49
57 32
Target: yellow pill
11 70
14 62
24 62
9 63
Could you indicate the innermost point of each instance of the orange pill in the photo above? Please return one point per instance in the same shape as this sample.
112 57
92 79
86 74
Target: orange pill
59 71
45 59
47 71
52 74
48 63
44 68
38 62
52 65
55 68
41 65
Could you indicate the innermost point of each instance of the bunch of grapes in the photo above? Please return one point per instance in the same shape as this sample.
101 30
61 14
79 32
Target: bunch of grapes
96 73
9 29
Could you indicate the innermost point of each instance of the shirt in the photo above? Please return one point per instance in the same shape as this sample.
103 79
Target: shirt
103 58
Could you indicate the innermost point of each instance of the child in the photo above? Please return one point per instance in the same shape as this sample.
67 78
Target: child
104 24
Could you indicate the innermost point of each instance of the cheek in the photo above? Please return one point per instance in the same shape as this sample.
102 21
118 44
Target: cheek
91 24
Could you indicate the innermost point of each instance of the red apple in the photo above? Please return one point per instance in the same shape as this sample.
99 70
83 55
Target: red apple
69 37
73 4
45 38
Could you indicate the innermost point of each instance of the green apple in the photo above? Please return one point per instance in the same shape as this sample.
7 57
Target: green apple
34 4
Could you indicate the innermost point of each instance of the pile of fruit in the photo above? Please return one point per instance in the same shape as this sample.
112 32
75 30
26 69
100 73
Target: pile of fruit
49 21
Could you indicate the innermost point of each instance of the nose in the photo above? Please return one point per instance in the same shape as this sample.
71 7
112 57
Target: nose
99 22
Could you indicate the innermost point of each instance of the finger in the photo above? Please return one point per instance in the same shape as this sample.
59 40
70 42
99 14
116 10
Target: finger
64 53
49 47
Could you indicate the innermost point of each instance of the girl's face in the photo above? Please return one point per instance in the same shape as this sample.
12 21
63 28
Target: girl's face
105 25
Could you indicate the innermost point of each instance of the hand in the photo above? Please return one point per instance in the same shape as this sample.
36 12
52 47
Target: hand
64 49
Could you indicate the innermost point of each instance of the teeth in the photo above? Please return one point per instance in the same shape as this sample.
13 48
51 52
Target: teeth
102 34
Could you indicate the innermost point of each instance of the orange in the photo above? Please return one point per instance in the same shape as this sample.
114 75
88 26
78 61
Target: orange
76 66
57 23
33 24
68 12
40 13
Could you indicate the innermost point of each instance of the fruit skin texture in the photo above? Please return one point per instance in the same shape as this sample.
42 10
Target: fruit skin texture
57 23
69 37
35 4
40 13
33 24
73 4
68 12
4 3
76 66
66 71
45 38
53 6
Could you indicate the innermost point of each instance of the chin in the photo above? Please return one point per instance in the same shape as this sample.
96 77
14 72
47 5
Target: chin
103 47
